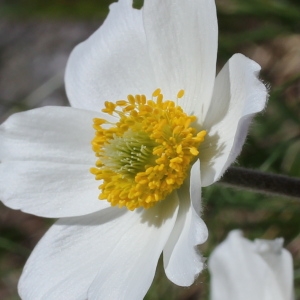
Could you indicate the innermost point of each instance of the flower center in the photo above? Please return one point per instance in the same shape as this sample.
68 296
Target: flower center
147 153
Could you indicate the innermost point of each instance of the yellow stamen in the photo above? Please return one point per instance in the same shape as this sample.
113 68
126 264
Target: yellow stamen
156 92
145 155
180 94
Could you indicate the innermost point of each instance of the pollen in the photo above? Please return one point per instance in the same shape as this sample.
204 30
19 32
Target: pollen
147 153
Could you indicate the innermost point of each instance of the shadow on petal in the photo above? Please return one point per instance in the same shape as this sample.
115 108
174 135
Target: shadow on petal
161 212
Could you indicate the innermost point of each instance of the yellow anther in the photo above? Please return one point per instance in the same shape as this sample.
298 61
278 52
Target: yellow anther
121 102
128 108
201 135
161 167
179 149
177 129
170 181
99 121
180 94
149 170
109 107
160 99
156 92
131 99
148 108
137 99
124 127
176 160
134 114
194 151
143 99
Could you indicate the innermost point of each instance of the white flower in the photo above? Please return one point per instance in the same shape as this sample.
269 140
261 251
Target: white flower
97 251
241 269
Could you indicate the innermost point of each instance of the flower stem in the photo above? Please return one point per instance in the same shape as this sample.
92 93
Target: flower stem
261 182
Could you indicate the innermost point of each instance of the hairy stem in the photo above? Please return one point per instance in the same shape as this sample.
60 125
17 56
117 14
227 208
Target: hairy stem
261 182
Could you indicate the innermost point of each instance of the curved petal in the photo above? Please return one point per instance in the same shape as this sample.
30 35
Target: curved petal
242 270
182 260
123 245
238 95
128 271
195 187
112 63
45 158
49 189
182 42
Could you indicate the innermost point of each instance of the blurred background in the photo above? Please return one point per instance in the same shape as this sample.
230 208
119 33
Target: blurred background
36 38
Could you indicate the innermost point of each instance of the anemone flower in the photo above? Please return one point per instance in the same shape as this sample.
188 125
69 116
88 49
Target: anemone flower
143 91
241 269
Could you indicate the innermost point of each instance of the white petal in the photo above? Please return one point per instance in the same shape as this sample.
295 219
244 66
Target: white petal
239 271
49 189
182 260
238 95
53 134
195 187
182 41
128 270
68 257
45 159
112 63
